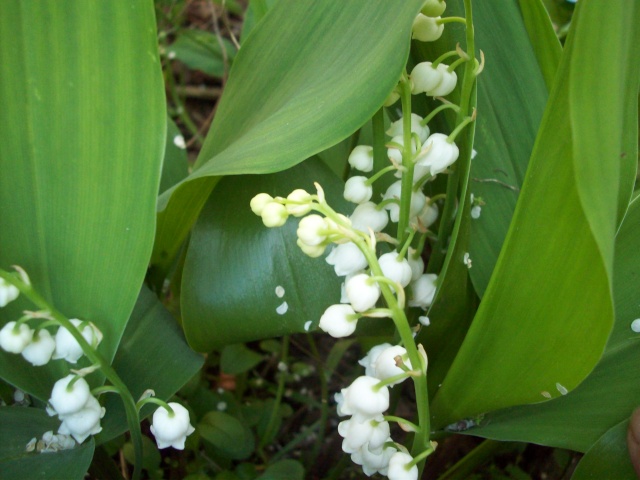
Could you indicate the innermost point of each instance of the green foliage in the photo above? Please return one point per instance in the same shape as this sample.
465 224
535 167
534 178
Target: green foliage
201 50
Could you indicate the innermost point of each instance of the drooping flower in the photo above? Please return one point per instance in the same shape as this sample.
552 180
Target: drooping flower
362 292
374 432
8 292
367 216
426 29
373 462
15 340
312 230
438 153
67 399
41 348
398 467
424 289
339 320
357 190
363 399
346 258
396 129
418 199
385 365
361 158
84 422
433 8
171 429
369 360
68 348
397 270
416 263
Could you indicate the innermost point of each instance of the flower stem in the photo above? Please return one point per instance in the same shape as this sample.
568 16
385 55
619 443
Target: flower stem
407 160
133 419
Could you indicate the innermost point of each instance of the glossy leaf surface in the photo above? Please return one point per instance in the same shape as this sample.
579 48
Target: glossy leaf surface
293 92
526 338
234 264
81 140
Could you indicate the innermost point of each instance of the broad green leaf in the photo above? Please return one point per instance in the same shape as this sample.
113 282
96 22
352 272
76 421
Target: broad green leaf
201 50
18 425
526 338
543 37
234 264
310 74
511 99
152 355
230 436
608 458
82 130
611 391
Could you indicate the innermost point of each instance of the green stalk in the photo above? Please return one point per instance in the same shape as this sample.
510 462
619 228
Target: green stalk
407 161
451 203
133 419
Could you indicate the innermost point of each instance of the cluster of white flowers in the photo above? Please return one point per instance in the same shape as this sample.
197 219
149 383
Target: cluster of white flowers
38 347
366 435
71 399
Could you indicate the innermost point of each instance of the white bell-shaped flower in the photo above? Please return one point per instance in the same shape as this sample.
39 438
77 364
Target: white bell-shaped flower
396 129
363 399
274 214
171 430
385 365
357 190
84 422
447 83
8 292
424 77
362 292
361 158
369 360
41 348
438 153
373 462
299 195
395 153
398 467
418 199
67 399
312 230
346 258
426 29
433 8
68 348
260 201
339 320
15 340
395 269
416 263
423 290
429 214
367 216
374 432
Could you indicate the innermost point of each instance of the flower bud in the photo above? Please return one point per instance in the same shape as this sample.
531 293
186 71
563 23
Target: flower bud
274 214
362 292
369 361
15 340
259 202
361 158
8 292
41 348
356 190
339 320
312 230
426 29
433 8
385 366
429 214
313 251
391 98
171 429
416 263
299 195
